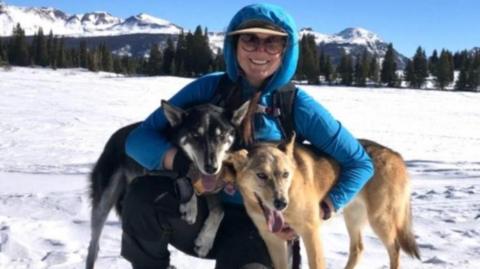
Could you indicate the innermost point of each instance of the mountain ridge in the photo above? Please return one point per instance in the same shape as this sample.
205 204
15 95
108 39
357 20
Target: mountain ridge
118 33
97 23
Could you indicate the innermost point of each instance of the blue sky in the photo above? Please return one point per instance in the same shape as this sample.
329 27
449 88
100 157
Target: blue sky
432 24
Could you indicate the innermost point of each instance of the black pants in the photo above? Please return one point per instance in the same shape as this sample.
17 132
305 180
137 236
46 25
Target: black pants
151 221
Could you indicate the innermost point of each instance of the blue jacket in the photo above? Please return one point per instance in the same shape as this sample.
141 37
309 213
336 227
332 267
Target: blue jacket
147 144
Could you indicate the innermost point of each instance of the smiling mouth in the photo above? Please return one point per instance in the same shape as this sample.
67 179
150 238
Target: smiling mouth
259 62
274 218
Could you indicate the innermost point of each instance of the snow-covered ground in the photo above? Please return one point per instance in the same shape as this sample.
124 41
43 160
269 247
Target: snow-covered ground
54 125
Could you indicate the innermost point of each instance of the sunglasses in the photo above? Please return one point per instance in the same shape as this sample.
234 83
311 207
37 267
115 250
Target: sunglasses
272 44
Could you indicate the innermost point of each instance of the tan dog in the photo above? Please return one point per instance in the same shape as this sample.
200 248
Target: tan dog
284 184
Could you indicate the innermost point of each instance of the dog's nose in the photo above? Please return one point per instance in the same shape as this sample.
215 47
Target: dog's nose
280 203
211 169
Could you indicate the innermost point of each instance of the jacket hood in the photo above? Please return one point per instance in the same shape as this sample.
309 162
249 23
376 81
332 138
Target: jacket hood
278 17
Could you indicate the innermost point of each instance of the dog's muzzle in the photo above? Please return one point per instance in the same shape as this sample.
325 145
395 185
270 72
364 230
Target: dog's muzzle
274 218
280 203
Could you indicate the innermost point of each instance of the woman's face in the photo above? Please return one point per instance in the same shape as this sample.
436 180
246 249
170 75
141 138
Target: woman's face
259 56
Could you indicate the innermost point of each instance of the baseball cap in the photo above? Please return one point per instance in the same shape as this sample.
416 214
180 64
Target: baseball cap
258 27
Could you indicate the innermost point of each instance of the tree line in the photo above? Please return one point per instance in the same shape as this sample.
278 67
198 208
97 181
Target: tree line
191 56
315 67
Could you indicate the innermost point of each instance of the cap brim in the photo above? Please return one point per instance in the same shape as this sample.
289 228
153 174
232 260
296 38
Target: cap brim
258 30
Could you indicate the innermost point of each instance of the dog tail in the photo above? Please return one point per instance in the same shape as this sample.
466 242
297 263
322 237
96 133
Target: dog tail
405 236
102 174
111 166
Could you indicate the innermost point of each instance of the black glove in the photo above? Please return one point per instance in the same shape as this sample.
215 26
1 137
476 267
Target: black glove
182 184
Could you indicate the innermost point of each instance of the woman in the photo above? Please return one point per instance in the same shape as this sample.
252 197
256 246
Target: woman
261 54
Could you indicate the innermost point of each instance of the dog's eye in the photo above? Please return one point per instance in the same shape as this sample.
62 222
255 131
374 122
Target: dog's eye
262 176
224 136
285 174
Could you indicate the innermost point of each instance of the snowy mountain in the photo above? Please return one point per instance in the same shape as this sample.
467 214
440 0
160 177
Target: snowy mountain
134 35
79 25
353 41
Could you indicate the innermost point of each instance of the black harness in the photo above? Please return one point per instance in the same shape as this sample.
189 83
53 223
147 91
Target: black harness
281 109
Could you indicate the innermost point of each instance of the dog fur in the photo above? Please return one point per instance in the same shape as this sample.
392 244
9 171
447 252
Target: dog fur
291 180
204 132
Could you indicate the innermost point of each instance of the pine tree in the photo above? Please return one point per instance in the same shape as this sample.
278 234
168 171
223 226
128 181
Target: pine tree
373 70
196 51
459 58
444 69
409 73
361 70
168 57
188 61
219 61
118 67
83 54
92 60
32 49
360 79
49 47
207 54
389 67
432 63
154 64
180 55
328 70
61 55
130 65
321 63
309 59
52 50
3 57
462 81
474 72
18 49
105 58
299 72
72 58
41 53
420 68
345 69
199 55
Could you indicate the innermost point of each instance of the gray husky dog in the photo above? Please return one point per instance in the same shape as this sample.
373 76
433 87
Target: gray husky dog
204 132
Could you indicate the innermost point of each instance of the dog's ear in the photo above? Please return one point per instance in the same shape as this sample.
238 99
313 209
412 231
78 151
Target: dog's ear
228 174
287 146
239 114
173 114
236 160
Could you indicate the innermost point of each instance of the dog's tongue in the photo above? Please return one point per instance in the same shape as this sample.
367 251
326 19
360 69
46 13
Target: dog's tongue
274 220
209 182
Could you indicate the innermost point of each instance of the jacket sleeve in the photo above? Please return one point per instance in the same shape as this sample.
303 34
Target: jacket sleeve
147 144
314 123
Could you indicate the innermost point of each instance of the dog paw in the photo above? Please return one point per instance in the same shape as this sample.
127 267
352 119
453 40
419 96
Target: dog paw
203 245
188 210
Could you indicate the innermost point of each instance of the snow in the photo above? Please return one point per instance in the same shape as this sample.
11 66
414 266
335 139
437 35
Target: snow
54 125
150 19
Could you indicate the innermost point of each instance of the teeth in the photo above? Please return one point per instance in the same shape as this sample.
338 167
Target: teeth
259 61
